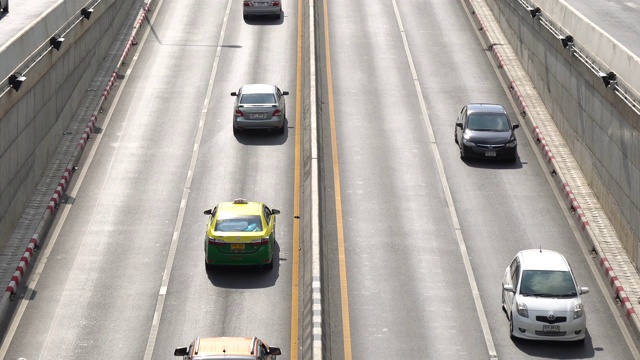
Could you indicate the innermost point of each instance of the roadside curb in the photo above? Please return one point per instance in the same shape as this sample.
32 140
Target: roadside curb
58 196
616 289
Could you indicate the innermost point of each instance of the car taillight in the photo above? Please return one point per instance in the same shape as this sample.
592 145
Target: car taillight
275 3
248 3
277 112
239 113
216 242
258 242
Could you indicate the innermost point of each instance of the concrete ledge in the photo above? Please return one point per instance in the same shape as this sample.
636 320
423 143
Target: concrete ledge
605 48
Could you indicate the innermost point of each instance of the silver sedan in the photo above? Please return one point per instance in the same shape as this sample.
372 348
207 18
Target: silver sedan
261 7
259 106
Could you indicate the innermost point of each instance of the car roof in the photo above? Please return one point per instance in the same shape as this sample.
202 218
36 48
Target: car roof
541 259
485 108
240 207
258 89
223 346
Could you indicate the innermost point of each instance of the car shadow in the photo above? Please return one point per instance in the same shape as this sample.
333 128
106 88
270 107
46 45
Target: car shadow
494 164
247 277
558 349
263 137
265 20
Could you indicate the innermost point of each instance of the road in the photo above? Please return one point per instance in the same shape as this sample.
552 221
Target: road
122 274
139 205
409 291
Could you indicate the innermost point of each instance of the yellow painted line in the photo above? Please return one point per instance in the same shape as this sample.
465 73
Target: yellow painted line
295 246
344 295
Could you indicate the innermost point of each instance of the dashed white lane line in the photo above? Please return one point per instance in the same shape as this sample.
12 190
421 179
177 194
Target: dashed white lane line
155 325
445 187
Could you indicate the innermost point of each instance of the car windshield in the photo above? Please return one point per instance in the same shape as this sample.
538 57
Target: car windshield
239 223
257 99
488 122
547 283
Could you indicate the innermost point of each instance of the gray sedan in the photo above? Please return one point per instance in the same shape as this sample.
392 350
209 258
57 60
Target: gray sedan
259 106
262 7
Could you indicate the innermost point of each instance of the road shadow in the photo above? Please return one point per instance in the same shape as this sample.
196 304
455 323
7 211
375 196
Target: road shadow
558 349
247 277
263 137
265 20
496 164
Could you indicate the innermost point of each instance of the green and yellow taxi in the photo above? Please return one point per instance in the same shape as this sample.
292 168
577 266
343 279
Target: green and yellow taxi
240 233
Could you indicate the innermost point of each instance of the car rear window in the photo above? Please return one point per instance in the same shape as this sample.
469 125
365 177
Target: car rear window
488 122
257 99
240 223
547 283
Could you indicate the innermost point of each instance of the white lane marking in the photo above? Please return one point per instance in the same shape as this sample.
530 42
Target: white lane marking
59 223
445 187
153 333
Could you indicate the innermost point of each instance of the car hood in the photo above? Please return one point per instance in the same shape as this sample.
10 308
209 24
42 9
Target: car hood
488 137
549 304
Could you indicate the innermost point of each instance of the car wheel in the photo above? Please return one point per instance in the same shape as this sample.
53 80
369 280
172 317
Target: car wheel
455 137
280 130
462 152
236 130
245 16
6 8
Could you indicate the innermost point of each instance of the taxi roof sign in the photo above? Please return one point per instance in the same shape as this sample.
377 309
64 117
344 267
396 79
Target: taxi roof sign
240 201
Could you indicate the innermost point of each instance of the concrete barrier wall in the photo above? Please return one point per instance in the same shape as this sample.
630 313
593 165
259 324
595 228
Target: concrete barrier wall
17 49
600 129
33 120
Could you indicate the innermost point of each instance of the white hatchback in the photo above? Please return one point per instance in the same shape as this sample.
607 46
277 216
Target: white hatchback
542 299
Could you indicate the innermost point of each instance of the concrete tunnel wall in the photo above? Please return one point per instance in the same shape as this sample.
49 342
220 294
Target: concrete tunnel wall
33 120
601 130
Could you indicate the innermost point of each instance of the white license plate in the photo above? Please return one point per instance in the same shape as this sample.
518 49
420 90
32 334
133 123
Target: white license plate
550 328
257 116
261 4
489 153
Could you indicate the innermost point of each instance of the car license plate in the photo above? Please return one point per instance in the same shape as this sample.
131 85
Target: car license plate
489 153
550 328
261 4
237 246
257 116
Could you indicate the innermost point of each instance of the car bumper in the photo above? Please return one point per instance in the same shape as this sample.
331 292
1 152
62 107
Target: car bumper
261 10
262 256
529 328
275 122
476 152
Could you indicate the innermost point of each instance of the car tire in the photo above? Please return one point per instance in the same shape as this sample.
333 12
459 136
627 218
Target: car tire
511 328
245 17
269 266
462 157
280 130
236 130
6 8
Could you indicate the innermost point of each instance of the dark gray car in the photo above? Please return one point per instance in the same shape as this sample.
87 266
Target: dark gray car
485 131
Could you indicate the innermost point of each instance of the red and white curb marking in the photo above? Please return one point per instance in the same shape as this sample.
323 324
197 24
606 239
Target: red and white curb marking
68 172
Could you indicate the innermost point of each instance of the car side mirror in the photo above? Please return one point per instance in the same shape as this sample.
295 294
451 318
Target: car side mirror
459 124
508 288
274 351
584 290
208 212
275 211
234 94
515 126
285 93
183 351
